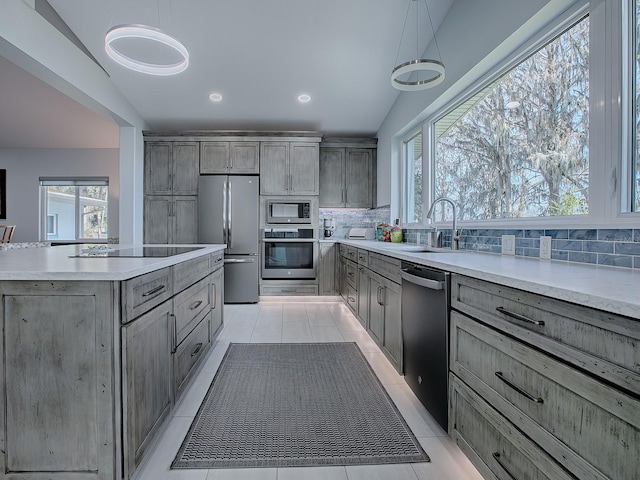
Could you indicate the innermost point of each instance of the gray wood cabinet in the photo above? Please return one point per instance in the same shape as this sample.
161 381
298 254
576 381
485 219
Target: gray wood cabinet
385 325
171 168
147 380
217 297
171 219
59 392
347 173
289 168
327 269
229 158
562 374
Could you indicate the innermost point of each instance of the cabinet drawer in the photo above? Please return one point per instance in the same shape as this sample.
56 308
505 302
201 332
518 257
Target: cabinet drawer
188 307
386 266
288 289
363 257
189 272
594 428
352 253
217 261
352 298
492 443
141 294
190 351
601 343
351 270
343 250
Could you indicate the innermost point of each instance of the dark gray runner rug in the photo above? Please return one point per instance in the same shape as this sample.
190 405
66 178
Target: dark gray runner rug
302 404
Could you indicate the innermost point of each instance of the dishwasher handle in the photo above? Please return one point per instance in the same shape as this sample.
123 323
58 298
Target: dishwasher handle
423 282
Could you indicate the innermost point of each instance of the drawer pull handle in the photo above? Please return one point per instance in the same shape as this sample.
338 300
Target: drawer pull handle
159 288
517 316
518 389
197 349
352 300
496 455
195 305
288 290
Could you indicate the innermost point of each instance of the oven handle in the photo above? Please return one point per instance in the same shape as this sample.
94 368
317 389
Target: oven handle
289 240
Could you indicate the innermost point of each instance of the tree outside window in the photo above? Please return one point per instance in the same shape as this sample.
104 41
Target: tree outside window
519 148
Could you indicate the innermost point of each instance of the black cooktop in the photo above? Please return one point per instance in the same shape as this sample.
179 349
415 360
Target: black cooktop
134 252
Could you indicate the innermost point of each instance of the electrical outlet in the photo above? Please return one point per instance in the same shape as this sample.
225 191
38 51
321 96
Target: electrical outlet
545 247
508 244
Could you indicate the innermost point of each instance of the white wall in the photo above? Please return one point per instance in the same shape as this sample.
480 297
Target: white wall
473 37
25 167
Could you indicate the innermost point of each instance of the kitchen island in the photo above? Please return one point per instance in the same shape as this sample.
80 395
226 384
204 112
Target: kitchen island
95 351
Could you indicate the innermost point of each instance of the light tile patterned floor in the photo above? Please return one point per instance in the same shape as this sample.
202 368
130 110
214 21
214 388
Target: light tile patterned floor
288 319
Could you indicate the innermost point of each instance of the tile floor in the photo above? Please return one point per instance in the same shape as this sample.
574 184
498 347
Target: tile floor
312 319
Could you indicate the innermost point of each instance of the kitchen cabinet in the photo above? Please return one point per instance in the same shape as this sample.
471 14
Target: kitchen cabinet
384 317
289 168
347 174
327 269
58 393
146 379
171 219
565 376
171 168
238 158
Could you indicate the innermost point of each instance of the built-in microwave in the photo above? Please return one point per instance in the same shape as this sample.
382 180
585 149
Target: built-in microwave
283 211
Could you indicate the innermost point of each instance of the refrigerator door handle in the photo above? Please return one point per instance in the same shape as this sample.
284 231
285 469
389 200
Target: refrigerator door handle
224 212
230 216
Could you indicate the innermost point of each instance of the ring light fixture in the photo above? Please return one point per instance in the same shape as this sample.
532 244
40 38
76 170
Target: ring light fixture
421 65
148 33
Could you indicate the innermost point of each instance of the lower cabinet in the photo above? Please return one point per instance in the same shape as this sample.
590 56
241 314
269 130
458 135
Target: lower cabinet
327 269
364 285
146 379
540 387
385 317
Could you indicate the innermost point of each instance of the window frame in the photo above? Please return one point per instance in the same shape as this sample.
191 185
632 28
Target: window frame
405 164
77 182
608 160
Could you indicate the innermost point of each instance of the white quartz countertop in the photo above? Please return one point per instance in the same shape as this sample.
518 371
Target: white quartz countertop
612 289
57 263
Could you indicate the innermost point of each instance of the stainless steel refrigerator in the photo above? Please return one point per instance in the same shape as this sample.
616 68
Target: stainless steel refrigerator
228 213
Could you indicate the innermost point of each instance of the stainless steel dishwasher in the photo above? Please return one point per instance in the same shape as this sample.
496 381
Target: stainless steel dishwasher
425 334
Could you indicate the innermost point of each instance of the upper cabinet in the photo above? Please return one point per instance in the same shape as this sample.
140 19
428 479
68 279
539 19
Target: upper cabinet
348 173
239 158
171 168
289 168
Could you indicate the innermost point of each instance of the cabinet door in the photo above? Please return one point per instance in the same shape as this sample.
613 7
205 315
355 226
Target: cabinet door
392 342
147 380
331 177
304 169
217 300
158 221
57 406
376 309
214 157
158 168
186 168
363 296
358 178
343 278
245 158
274 168
185 219
327 269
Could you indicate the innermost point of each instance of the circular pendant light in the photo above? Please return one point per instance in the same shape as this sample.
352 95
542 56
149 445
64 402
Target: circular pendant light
422 65
147 33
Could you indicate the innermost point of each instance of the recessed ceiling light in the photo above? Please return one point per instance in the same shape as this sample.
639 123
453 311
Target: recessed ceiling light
304 98
146 33
215 97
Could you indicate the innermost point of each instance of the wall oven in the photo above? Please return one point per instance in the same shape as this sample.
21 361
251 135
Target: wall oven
288 211
289 253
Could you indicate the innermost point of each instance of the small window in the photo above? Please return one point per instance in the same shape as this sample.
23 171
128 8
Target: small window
75 209
519 147
412 204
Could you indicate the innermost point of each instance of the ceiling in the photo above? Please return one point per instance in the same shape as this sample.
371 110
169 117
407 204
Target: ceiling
259 55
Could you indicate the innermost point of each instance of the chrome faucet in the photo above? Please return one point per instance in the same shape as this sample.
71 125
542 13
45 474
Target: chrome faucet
455 234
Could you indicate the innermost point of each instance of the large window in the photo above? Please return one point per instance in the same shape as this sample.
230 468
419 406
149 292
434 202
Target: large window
412 204
74 208
519 147
635 164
